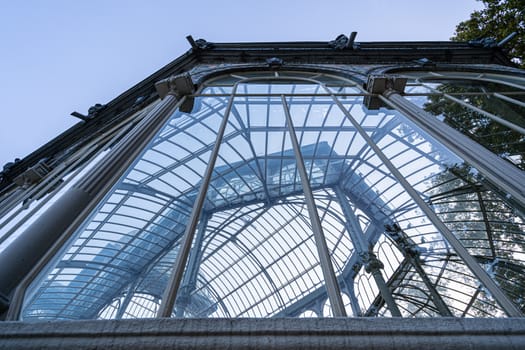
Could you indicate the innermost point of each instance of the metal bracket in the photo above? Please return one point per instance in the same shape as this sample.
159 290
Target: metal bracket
199 44
407 247
343 42
274 62
371 262
178 85
425 62
93 112
80 116
34 174
378 85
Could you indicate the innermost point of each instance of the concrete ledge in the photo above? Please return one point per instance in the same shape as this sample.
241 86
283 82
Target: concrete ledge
286 333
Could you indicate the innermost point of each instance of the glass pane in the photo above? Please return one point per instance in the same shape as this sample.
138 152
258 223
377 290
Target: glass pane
500 139
254 253
125 250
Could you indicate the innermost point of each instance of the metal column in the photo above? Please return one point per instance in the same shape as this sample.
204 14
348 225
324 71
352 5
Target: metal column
170 293
36 246
462 252
372 264
190 276
354 303
332 287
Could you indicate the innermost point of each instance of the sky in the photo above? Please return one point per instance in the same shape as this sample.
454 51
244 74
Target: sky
60 56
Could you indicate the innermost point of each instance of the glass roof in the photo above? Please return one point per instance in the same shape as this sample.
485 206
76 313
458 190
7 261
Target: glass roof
255 253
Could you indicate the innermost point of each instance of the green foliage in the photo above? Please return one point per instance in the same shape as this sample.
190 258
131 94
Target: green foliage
498 138
488 227
497 20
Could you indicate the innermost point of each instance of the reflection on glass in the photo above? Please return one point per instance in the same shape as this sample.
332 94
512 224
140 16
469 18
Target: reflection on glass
498 138
254 254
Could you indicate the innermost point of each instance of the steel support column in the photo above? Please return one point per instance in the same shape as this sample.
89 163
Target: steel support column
332 286
353 299
36 246
168 299
372 264
498 171
190 276
460 250
55 180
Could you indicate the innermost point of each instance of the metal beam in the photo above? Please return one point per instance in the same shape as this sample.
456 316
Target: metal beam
332 286
39 243
462 252
168 299
459 143
372 263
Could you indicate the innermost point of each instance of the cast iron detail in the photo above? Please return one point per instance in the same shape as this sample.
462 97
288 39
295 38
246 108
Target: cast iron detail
275 62
343 42
33 174
199 44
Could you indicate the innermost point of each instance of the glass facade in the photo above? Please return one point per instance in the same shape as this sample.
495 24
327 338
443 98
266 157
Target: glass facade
299 201
488 108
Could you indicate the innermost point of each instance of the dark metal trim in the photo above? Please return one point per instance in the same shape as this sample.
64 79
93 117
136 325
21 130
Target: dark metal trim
219 53
284 333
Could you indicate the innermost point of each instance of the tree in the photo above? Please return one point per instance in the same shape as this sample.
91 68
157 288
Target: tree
488 227
497 20
496 137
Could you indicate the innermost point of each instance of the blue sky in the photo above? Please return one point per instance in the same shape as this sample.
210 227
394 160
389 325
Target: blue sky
60 56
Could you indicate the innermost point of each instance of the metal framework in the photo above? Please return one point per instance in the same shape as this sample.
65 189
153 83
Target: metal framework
276 190
281 194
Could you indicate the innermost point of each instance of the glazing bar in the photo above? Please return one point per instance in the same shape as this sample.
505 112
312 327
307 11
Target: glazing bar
333 291
357 236
170 293
498 171
41 241
462 252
